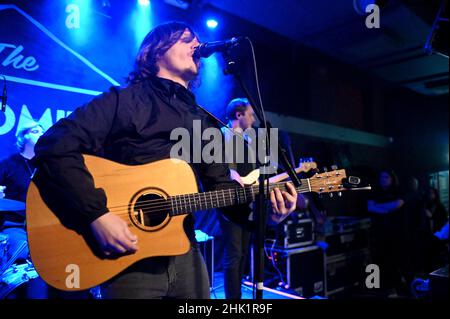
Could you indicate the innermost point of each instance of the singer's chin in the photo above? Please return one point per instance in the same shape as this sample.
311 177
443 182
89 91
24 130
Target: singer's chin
192 73
195 83
192 76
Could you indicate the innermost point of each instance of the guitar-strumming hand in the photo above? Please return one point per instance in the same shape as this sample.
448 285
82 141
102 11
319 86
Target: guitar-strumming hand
113 235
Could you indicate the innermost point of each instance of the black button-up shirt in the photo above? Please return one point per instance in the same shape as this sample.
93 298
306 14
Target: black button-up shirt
130 126
15 173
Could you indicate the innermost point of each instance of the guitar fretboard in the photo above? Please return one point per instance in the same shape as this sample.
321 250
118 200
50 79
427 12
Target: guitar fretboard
187 203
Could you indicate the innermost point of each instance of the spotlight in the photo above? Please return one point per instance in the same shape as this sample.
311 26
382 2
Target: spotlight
144 3
211 23
361 5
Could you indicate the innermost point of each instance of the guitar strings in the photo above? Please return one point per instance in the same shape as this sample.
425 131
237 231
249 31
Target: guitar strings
162 210
228 190
241 191
178 199
167 204
162 205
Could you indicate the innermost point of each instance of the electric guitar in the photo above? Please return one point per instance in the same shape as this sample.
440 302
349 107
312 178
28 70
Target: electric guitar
252 177
153 199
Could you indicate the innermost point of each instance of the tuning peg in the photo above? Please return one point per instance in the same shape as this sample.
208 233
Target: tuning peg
334 167
331 195
340 194
325 169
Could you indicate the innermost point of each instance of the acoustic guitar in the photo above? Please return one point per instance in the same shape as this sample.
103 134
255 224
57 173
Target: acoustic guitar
153 199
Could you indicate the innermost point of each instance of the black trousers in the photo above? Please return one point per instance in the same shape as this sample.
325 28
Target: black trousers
178 277
236 246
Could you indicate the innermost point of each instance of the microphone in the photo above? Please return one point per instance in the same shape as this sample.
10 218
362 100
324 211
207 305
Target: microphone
4 97
205 49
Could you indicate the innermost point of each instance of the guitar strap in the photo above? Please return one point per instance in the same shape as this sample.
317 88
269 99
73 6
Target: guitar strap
221 123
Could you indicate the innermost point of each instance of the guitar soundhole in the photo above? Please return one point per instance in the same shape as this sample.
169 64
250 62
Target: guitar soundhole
151 210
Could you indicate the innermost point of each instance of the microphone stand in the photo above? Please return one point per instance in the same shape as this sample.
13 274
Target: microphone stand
260 213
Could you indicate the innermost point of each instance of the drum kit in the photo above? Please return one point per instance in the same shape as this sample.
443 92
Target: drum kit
14 269
12 273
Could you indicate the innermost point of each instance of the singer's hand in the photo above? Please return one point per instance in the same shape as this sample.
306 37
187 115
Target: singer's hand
113 235
283 203
235 176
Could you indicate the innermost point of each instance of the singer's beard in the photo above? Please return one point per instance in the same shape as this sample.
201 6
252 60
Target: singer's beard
193 76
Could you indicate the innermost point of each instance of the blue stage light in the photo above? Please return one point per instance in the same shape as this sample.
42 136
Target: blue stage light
144 3
142 20
79 20
211 23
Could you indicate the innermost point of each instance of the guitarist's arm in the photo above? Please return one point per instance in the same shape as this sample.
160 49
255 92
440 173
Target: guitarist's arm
62 178
236 177
282 202
216 176
61 168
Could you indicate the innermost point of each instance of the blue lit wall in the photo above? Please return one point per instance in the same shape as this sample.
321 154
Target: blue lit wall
57 55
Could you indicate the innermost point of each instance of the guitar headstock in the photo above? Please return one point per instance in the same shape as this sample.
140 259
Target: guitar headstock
328 182
306 166
335 181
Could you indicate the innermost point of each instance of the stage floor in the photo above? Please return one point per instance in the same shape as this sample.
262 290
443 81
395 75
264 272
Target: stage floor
217 292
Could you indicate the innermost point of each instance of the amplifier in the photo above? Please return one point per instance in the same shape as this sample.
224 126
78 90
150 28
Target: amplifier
346 234
346 270
303 269
292 233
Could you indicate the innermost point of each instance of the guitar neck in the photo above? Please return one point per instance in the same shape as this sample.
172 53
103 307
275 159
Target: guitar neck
187 203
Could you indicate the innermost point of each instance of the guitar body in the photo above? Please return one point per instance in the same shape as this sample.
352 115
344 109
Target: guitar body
60 254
